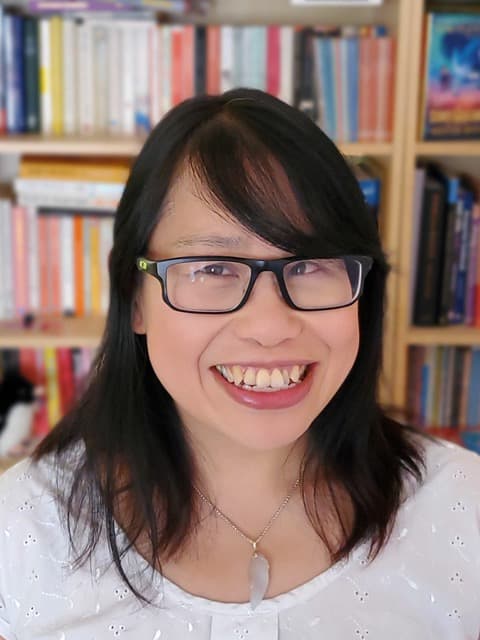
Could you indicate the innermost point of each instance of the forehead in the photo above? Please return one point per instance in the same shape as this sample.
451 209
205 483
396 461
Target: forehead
189 224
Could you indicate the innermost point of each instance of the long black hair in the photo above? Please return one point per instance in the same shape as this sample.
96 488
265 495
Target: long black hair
124 439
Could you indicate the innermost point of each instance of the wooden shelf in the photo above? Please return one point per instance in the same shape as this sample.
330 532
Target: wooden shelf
53 332
130 146
448 148
455 336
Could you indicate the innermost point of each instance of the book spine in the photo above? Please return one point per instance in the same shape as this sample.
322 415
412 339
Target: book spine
32 257
3 78
141 92
69 69
286 63
114 79
56 62
31 65
20 265
227 58
213 59
474 257
84 58
78 268
429 255
45 79
67 265
200 58
53 392
101 80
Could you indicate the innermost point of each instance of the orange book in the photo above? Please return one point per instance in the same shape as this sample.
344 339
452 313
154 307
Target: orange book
20 259
366 89
213 58
188 59
54 264
95 266
385 86
78 226
177 64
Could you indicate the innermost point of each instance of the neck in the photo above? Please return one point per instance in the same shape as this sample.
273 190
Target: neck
228 471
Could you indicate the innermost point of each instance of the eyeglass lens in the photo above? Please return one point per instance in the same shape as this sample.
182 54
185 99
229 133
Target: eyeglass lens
221 285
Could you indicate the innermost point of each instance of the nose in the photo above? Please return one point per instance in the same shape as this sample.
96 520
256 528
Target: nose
266 318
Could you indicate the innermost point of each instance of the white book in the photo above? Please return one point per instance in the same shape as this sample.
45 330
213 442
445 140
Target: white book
69 76
67 267
100 35
46 105
33 259
74 188
155 42
53 201
129 77
85 65
87 266
226 57
106 241
114 79
166 97
286 64
8 275
141 36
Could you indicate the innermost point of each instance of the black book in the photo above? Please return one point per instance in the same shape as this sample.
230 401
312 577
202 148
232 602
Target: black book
430 253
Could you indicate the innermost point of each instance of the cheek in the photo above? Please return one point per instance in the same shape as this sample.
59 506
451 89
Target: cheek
339 331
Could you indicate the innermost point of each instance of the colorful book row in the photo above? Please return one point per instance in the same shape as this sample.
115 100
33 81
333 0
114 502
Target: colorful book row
53 264
58 377
120 76
446 230
444 391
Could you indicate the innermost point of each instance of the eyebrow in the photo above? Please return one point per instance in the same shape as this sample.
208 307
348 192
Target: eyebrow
224 242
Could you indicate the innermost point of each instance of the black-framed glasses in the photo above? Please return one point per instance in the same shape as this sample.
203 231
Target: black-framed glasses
222 284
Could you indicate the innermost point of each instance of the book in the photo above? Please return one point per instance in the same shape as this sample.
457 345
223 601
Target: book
451 89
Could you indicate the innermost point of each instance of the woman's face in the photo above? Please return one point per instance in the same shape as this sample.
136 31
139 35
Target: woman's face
186 350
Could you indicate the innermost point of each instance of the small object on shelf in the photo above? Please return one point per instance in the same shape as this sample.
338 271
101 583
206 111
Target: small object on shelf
18 401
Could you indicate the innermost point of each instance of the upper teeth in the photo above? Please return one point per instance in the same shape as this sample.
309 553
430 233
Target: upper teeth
262 378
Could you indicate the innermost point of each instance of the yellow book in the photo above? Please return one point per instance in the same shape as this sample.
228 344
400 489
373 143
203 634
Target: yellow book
95 266
66 168
52 386
56 52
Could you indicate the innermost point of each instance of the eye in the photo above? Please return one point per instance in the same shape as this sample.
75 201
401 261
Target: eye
303 268
217 269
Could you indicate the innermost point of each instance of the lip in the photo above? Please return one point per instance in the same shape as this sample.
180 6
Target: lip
264 400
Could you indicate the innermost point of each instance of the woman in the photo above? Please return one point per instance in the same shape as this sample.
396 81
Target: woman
228 473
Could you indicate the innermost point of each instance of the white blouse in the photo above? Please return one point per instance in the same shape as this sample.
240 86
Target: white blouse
424 585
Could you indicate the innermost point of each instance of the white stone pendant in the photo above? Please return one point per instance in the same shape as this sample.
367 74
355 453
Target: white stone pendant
258 575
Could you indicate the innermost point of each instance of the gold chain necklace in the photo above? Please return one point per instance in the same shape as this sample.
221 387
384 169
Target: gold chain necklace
259 568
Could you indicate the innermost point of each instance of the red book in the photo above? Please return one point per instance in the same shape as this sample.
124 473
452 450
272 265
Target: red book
66 379
273 59
177 64
54 264
188 58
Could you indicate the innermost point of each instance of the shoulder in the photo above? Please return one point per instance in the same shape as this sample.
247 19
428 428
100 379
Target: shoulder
449 496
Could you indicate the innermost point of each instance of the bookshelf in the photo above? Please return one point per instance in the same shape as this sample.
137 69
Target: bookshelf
457 155
396 160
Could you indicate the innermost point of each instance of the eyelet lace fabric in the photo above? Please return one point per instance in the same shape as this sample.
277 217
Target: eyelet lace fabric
424 585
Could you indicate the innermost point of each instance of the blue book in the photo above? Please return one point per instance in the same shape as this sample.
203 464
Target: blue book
473 413
353 56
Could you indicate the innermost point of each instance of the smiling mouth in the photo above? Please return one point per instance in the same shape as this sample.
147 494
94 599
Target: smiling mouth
262 379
